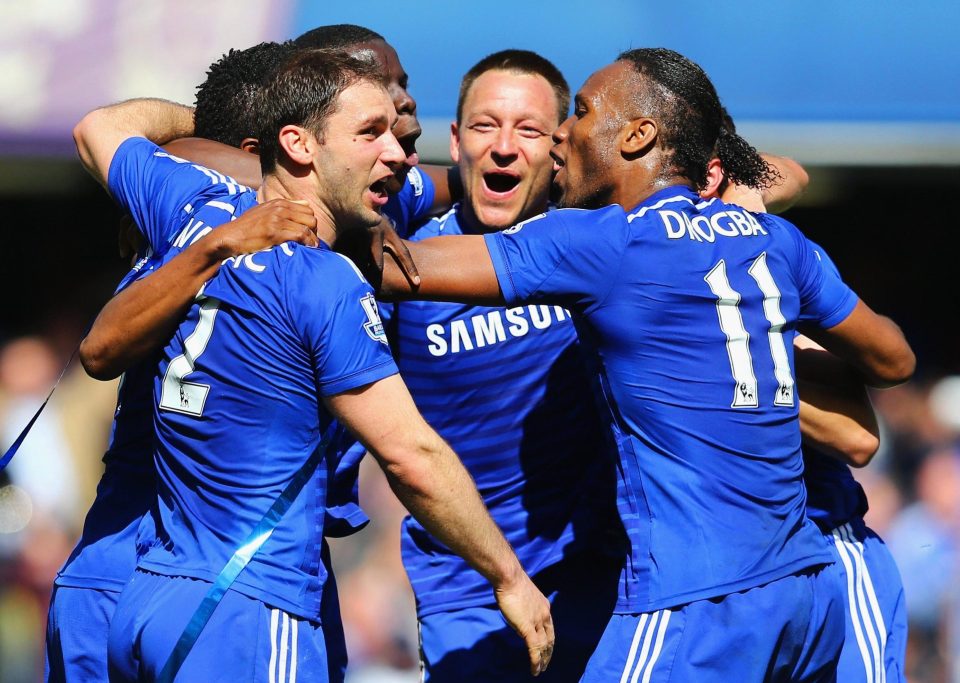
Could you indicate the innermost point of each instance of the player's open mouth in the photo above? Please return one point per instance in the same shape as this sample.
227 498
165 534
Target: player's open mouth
557 162
379 191
500 183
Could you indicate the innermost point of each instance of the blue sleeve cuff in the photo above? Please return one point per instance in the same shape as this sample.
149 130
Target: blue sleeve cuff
360 378
498 256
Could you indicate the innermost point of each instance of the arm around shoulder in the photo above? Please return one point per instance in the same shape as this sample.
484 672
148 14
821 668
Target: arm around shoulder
100 133
871 343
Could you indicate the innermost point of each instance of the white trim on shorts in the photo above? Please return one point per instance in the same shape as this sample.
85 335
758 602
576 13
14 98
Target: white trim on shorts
648 638
868 626
283 647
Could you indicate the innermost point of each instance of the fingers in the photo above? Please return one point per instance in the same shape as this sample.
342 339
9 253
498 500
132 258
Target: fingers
540 644
269 224
393 244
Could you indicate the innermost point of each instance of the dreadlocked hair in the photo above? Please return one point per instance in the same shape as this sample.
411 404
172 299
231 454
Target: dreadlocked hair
690 116
226 100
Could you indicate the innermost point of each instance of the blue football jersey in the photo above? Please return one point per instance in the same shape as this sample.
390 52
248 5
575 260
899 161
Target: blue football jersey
187 205
692 307
239 410
510 390
412 203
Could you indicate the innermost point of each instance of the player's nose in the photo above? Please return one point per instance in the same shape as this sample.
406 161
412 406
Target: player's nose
505 144
562 131
392 153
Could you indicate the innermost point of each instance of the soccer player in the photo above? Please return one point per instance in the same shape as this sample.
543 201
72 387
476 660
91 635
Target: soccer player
232 433
509 389
691 307
415 191
840 430
88 585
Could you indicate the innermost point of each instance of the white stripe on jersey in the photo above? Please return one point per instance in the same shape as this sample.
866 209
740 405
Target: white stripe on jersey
870 633
229 208
654 207
352 265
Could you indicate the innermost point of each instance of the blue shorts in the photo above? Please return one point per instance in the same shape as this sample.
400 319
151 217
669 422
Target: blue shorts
876 636
790 629
245 640
475 644
77 626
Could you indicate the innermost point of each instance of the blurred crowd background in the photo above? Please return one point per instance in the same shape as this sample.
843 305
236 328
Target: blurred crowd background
864 96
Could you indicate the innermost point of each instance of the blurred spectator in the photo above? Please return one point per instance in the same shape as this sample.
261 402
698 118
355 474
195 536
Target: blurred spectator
44 467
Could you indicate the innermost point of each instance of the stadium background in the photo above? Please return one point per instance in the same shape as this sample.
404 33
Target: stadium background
864 94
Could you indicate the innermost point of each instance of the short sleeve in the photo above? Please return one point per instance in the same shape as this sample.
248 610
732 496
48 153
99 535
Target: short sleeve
158 190
412 203
824 297
564 256
337 314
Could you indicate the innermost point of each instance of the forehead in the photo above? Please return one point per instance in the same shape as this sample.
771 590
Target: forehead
612 81
364 100
385 55
511 91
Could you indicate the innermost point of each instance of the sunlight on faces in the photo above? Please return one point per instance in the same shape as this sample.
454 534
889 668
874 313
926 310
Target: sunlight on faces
502 146
587 143
407 128
357 156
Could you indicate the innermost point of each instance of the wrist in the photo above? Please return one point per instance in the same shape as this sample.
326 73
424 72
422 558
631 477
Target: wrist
216 247
509 576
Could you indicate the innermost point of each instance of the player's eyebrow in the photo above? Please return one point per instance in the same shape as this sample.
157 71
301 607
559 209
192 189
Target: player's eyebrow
374 120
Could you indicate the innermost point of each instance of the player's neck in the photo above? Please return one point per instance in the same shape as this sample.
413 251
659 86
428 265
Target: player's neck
634 188
470 222
276 186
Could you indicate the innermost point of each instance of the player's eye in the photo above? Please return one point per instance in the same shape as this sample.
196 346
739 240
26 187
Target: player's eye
531 132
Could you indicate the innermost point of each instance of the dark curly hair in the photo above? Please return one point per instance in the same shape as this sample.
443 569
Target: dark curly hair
227 99
336 37
691 120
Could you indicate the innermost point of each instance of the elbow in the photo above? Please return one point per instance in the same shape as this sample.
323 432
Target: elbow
862 448
96 361
897 370
82 134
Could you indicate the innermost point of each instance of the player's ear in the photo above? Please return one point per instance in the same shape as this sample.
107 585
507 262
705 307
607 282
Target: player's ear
714 179
455 142
298 143
250 145
638 137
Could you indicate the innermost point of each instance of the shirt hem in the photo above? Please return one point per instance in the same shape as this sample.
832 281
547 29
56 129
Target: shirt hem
626 606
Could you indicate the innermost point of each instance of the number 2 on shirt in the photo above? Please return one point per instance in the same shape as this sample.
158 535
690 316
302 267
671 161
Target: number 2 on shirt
189 397
738 339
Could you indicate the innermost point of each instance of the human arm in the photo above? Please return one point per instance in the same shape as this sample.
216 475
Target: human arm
454 268
243 167
873 344
836 417
434 486
100 133
788 188
791 182
142 317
